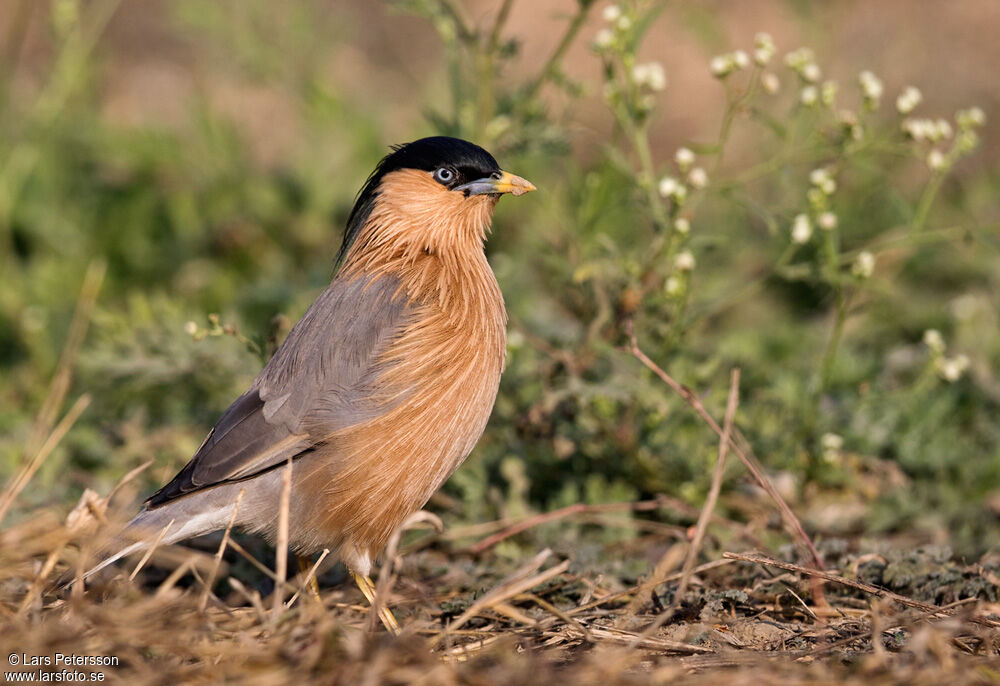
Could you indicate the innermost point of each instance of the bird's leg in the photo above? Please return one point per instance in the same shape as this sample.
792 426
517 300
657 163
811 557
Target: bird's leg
305 566
384 613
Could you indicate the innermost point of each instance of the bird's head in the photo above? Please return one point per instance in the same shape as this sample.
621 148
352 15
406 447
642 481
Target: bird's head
432 196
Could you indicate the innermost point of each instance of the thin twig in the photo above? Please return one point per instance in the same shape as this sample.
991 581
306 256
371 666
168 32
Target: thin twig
569 510
150 550
859 585
716 487
612 597
706 511
737 443
513 585
203 601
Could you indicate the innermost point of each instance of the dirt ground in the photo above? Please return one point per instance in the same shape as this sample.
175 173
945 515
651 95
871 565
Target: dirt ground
476 608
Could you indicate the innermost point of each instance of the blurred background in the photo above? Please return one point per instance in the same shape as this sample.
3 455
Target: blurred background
199 159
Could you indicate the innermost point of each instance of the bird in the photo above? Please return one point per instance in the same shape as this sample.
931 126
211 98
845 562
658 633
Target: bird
382 388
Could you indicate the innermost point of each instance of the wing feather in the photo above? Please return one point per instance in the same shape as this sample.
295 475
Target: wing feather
320 380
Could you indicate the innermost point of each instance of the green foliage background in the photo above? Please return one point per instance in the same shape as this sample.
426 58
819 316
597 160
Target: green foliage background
189 223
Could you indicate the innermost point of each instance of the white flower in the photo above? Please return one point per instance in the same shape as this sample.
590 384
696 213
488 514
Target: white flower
934 340
936 160
771 83
763 40
684 261
811 72
952 368
684 158
698 178
763 49
673 286
190 328
943 129
797 59
669 186
818 177
611 13
831 441
740 59
809 96
801 229
682 226
604 39
827 221
623 23
971 118
650 74
908 99
721 66
864 265
871 87
917 129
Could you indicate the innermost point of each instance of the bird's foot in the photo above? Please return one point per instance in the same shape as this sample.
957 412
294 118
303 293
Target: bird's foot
305 567
367 587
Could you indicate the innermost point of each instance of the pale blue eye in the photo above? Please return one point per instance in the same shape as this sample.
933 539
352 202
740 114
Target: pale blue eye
444 175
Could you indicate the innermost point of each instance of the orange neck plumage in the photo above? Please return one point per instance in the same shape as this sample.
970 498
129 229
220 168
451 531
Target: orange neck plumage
431 239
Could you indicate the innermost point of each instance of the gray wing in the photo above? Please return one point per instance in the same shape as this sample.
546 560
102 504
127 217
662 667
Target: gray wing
319 381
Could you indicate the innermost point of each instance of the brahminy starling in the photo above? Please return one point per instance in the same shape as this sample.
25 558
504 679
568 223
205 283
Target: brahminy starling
383 387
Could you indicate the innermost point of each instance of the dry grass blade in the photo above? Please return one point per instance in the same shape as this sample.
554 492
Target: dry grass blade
515 584
633 640
512 612
174 577
558 614
46 419
859 585
36 585
203 601
18 483
252 598
151 550
308 578
668 562
281 551
127 478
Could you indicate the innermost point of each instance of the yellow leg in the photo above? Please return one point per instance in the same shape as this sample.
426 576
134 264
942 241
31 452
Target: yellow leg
305 566
384 613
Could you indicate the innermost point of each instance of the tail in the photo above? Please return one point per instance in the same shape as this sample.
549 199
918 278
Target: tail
175 521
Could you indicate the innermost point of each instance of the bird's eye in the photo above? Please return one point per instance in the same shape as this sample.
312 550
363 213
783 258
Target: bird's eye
444 175
497 175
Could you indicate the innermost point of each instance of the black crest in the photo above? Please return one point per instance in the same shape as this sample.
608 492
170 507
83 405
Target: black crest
467 160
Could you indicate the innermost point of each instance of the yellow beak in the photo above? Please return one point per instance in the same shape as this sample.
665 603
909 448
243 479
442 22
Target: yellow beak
499 182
